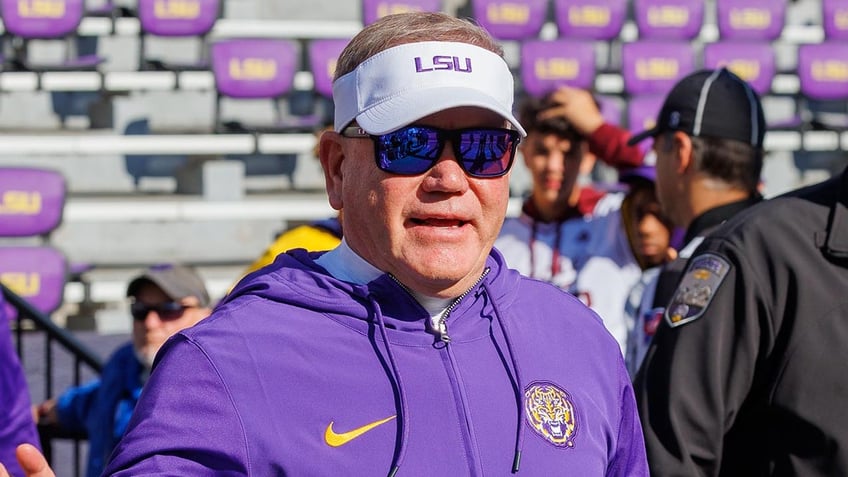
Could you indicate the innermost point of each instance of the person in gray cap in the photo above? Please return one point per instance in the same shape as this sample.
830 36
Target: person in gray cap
164 299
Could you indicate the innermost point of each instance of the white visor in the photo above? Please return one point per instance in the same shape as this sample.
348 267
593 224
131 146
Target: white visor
405 83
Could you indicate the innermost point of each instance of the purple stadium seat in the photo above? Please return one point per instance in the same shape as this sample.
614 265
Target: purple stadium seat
835 18
31 201
36 274
176 18
752 61
610 109
823 70
590 19
652 67
642 114
49 21
31 204
255 69
373 10
511 19
669 19
248 68
548 64
750 19
322 62
323 55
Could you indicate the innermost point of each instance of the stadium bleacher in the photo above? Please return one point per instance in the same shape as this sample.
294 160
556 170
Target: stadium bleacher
163 163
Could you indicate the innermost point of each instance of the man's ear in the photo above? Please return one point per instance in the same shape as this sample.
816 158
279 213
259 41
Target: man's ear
331 154
683 146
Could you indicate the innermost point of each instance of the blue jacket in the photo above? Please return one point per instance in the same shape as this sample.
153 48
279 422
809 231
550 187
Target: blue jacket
102 408
298 373
16 424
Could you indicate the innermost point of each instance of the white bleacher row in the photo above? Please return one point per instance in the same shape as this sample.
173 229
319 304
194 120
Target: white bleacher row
310 29
93 143
121 81
231 27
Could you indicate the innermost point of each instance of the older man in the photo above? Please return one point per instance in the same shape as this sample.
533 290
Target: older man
164 299
411 348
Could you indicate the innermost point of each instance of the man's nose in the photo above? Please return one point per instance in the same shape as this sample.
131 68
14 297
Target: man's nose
447 174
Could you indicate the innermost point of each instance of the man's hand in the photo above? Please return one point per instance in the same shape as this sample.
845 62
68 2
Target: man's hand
577 106
32 461
46 413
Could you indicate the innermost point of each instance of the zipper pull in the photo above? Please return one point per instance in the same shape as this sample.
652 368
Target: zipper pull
443 332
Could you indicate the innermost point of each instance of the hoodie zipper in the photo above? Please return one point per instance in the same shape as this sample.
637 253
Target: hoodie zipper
442 326
471 447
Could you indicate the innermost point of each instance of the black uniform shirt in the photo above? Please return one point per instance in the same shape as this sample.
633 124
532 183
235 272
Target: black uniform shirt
751 378
701 226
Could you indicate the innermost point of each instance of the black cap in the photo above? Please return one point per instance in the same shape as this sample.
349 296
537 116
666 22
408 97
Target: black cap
711 103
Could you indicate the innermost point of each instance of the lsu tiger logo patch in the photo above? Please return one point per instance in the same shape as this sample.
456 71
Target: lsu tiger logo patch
550 411
696 289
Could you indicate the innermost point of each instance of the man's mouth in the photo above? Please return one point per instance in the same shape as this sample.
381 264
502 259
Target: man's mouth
434 222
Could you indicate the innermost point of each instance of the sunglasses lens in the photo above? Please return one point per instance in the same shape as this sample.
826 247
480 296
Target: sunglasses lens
170 311
487 152
408 151
166 311
414 150
139 311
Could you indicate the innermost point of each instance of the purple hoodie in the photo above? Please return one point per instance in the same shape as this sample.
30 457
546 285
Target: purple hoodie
297 373
16 424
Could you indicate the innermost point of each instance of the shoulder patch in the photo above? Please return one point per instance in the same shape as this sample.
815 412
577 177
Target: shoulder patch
696 289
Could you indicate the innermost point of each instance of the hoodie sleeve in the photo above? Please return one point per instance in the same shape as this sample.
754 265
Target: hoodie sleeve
16 423
185 422
630 458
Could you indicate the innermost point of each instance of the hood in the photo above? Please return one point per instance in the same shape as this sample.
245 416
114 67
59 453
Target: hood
295 279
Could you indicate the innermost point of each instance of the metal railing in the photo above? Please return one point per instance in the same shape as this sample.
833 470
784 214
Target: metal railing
33 322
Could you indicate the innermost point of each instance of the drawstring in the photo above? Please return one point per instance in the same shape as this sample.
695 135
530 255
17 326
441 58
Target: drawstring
403 419
554 250
519 396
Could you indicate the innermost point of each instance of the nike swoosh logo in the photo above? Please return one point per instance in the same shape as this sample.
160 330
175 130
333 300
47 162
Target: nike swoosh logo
335 440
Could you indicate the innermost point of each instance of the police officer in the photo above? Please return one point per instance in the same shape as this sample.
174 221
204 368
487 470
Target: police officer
746 376
708 142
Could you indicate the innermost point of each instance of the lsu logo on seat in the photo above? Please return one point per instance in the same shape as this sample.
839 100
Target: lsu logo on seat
20 202
41 8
